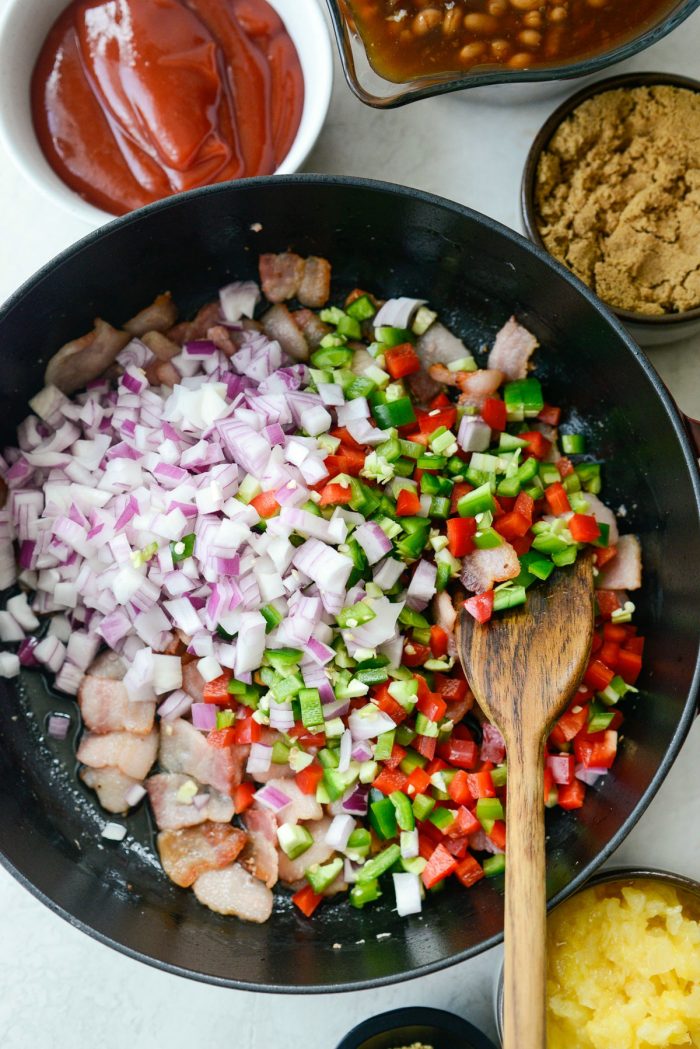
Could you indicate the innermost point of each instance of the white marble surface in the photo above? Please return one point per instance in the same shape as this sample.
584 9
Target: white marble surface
58 988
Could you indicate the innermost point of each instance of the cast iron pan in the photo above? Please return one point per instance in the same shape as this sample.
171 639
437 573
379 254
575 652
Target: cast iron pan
476 273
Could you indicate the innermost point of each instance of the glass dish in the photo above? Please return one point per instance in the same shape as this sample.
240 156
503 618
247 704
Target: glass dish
381 93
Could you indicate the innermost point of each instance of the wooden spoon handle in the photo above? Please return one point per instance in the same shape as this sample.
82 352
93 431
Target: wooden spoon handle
525 906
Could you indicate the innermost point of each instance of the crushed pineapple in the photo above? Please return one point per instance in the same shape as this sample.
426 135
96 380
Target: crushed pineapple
623 969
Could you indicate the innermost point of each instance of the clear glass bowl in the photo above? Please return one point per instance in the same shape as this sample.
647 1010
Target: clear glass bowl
376 91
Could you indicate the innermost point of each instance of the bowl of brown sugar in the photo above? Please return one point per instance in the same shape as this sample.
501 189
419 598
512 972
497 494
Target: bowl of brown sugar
611 189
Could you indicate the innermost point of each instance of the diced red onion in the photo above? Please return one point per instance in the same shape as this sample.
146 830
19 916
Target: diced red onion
350 870
50 653
422 585
409 844
369 722
204 716
474 434
362 431
339 831
345 751
361 751
331 393
356 800
68 679
259 759
18 607
373 541
318 651
272 798
357 408
10 630
25 652
397 313
176 706
589 775
9 664
58 725
493 747
239 299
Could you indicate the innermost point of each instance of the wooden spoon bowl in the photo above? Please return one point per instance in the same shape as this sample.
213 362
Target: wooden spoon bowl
523 667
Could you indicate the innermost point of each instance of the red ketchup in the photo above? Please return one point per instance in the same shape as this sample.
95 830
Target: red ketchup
134 100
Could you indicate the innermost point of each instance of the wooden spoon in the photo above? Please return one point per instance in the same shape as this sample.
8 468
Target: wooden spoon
523 667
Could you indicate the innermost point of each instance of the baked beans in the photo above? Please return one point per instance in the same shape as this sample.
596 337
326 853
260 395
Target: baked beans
408 39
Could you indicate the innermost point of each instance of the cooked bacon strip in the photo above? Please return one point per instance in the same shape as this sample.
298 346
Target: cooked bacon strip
222 337
186 854
111 787
482 568
281 276
106 707
512 349
234 890
278 323
260 855
315 286
81 360
171 814
162 373
311 326
624 571
436 346
159 316
132 755
292 871
160 345
197 328
184 749
475 386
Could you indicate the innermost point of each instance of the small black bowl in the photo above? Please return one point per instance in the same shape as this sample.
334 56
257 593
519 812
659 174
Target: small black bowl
646 329
404 1027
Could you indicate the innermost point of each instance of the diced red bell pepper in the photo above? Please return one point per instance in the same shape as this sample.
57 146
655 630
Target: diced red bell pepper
493 412
398 753
345 460
457 847
243 797
451 689
433 706
598 750
481 784
458 788
307 900
609 652
461 488
308 779
335 495
550 415
572 795
438 867
300 732
616 632
417 783
512 526
426 845
596 644
464 823
221 738
480 606
388 705
439 641
584 528
266 504
402 360
426 746
603 554
629 665
556 497
460 535
569 724
634 644
608 602
562 768
414 654
537 444
598 676
525 505
565 467
432 420
216 691
246 731
462 753
497 834
390 780
440 401
407 504
522 545
436 765
469 871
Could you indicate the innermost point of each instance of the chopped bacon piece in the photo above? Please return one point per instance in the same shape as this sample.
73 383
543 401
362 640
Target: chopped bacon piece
81 360
234 890
278 323
281 276
482 568
105 706
111 787
159 316
197 328
184 748
260 855
512 349
132 755
171 814
624 571
186 854
311 326
160 345
315 286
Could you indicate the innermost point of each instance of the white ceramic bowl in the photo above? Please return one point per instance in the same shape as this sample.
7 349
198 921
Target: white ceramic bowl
24 25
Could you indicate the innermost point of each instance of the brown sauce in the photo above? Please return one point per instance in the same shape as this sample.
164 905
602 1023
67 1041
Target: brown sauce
409 39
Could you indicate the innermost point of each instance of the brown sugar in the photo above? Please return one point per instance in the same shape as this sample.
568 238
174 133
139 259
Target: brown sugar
617 197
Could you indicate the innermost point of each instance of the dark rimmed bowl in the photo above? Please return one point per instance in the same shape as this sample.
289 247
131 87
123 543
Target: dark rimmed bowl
373 89
477 272
404 1027
611 874
647 330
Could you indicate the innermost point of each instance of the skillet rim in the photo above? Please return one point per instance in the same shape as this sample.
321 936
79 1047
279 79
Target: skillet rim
375 186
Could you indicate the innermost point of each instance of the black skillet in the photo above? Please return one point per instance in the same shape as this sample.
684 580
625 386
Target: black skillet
476 272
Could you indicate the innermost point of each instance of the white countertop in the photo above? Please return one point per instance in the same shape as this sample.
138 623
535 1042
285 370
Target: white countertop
59 988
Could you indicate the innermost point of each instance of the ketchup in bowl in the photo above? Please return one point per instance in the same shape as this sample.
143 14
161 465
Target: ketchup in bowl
134 100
